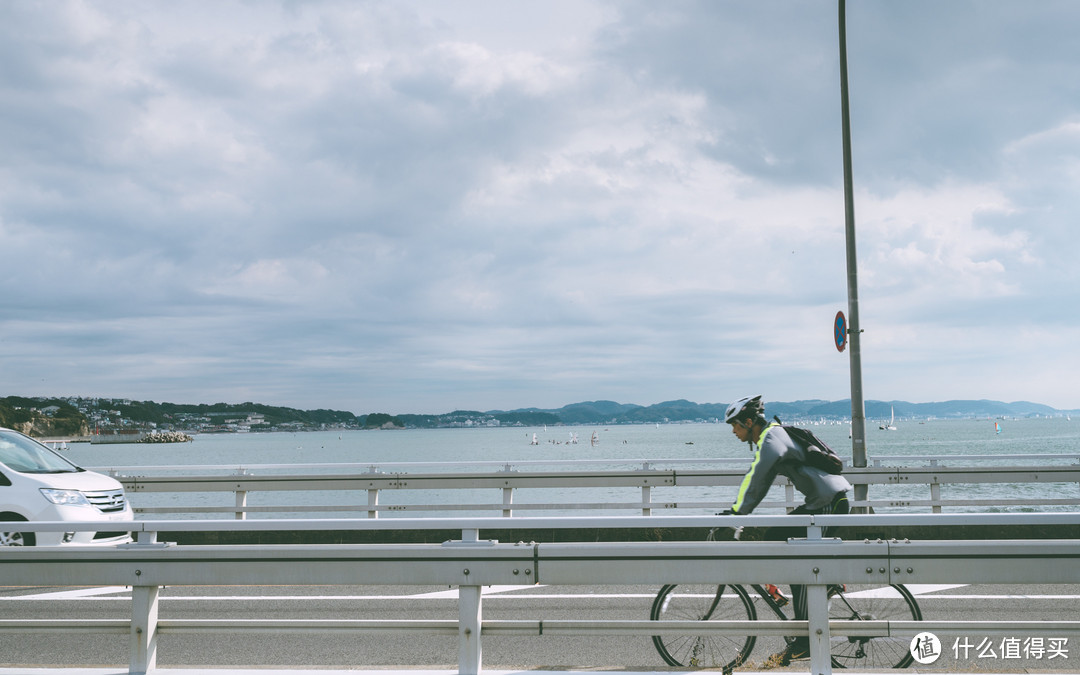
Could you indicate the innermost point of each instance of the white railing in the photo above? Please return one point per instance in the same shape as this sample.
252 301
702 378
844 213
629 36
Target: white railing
680 485
472 562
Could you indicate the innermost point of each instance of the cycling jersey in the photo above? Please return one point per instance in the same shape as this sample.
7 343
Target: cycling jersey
775 453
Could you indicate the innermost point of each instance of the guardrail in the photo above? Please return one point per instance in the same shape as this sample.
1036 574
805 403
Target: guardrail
510 479
472 562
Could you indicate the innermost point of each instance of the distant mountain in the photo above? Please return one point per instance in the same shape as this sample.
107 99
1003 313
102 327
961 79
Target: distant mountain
610 412
76 415
593 411
944 409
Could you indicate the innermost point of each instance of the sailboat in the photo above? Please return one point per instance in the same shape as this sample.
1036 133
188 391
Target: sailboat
595 438
891 426
997 427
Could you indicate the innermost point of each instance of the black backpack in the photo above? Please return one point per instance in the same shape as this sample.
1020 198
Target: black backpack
818 454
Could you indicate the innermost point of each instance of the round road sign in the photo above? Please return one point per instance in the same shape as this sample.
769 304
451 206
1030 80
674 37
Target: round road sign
840 331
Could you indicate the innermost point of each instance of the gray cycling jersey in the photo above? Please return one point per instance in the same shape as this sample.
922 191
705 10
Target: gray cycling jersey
775 453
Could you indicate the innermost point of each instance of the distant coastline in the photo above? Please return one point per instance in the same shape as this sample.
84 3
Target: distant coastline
81 417
610 412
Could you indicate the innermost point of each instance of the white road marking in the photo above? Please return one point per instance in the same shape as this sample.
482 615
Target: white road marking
490 592
485 591
920 589
78 594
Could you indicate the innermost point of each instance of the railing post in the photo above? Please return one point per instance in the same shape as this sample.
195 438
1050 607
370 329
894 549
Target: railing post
469 621
241 504
373 496
372 502
144 618
646 493
935 492
508 496
470 614
508 499
817 606
241 497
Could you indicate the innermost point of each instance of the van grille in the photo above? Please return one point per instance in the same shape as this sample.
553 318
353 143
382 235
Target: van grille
107 501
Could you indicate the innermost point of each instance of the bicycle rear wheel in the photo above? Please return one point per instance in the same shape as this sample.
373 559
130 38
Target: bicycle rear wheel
696 602
873 603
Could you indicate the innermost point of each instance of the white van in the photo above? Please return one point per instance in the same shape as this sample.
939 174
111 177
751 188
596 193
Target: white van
38 484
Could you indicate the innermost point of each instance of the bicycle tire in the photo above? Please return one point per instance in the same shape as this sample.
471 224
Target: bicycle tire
881 603
703 602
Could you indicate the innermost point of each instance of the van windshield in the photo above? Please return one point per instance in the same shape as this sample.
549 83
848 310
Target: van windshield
25 455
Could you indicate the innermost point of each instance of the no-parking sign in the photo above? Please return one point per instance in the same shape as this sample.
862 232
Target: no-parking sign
840 331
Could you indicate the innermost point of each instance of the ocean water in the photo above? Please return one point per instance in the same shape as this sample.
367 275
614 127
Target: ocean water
954 442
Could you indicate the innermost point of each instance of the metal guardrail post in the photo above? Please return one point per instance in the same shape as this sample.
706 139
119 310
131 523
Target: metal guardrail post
508 495
646 493
817 613
241 497
144 618
373 497
508 499
935 491
470 614
469 621
817 606
372 502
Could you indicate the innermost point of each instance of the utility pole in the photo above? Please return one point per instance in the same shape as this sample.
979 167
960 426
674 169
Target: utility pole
858 409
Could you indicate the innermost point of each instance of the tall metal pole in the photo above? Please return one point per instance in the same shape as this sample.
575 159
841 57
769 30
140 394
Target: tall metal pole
858 410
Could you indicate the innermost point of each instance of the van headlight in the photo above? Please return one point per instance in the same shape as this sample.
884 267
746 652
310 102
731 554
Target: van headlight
65 497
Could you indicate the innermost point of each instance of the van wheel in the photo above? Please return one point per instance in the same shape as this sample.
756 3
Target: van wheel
15 538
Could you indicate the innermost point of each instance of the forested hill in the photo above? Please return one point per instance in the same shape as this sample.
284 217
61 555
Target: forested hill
76 416
610 412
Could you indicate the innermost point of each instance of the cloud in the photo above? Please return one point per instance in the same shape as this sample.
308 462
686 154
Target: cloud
416 207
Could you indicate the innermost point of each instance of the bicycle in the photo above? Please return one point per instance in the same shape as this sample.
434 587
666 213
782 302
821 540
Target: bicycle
732 602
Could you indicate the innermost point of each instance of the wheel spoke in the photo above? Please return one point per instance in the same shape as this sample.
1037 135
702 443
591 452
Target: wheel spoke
872 603
689 602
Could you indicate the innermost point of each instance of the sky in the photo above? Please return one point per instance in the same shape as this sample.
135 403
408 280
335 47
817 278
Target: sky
422 206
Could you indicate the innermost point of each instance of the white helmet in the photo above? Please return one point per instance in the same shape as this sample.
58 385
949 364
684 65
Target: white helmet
748 406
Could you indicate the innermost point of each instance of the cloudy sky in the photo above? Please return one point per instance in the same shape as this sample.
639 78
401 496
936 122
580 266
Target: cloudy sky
421 206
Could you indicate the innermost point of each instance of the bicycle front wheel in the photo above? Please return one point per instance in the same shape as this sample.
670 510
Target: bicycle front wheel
694 602
872 603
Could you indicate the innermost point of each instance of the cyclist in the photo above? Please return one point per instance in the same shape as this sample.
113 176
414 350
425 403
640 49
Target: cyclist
776 453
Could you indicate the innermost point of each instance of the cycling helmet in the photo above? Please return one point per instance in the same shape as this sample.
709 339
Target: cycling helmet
746 407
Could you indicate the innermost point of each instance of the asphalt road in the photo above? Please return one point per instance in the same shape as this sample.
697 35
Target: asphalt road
971 652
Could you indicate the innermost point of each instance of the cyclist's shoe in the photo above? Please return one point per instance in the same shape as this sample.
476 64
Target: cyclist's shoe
777 596
799 649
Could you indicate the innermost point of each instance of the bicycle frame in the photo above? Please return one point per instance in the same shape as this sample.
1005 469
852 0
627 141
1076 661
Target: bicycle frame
768 598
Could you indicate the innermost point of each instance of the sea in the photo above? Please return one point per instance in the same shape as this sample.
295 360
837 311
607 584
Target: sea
1022 441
